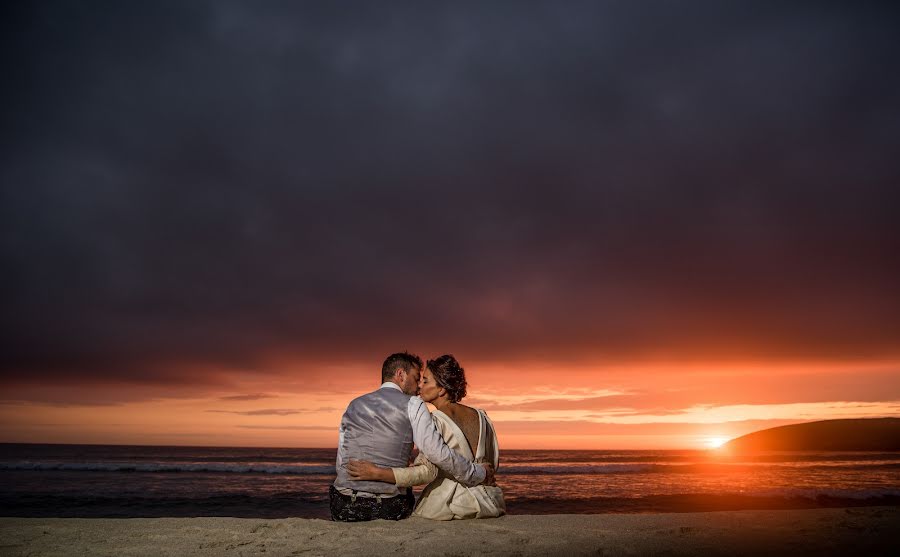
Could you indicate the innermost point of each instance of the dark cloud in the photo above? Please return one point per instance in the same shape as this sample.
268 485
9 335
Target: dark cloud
297 427
258 396
583 427
217 184
850 385
274 411
96 391
266 412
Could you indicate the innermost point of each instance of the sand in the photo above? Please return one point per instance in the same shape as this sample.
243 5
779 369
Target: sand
856 531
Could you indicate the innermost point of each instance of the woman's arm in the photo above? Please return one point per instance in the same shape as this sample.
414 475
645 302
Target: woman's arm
420 473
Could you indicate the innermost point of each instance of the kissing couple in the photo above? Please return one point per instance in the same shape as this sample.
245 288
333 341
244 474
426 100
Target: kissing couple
457 448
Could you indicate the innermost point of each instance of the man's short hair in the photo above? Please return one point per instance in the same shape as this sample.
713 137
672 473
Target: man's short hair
400 360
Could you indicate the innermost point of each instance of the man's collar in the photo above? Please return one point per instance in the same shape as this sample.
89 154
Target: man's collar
391 385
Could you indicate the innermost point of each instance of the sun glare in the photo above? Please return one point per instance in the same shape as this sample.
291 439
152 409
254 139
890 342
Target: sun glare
716 442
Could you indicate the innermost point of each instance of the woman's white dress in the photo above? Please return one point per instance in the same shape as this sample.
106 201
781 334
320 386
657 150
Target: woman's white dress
444 498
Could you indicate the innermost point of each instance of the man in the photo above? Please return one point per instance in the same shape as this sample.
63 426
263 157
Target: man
381 427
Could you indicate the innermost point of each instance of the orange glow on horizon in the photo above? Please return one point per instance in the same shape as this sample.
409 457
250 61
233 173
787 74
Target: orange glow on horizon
717 441
672 406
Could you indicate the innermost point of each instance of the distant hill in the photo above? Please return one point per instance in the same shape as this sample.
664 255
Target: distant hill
868 434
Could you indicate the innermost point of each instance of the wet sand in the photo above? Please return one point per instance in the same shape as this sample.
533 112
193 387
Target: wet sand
851 531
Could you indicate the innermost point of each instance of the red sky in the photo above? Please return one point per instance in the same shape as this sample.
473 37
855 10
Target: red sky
634 226
624 406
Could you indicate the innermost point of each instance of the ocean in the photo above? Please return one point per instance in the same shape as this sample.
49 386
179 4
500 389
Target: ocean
148 481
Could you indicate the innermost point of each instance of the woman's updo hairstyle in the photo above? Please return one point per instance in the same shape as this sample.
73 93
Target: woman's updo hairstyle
449 375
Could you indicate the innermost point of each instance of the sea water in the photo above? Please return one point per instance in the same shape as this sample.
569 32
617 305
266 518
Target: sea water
143 481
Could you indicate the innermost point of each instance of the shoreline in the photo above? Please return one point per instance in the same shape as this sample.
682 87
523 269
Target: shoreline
859 530
283 506
286 507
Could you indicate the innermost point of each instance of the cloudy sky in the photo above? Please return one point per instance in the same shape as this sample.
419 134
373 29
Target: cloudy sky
636 224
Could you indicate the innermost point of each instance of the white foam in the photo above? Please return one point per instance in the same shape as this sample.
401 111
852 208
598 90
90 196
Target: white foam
208 467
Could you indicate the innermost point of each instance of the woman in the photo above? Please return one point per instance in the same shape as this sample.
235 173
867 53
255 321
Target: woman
466 430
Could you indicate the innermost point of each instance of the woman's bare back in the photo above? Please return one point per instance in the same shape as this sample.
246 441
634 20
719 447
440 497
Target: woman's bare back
467 420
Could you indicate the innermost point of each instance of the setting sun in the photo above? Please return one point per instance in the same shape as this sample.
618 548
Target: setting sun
716 442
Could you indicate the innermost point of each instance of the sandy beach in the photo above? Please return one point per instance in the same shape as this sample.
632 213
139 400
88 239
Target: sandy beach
860 531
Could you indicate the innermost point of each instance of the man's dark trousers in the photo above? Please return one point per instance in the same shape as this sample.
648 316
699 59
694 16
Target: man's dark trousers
346 508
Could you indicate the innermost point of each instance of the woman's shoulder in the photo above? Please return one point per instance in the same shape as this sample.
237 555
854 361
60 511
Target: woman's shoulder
480 412
460 418
441 420
469 411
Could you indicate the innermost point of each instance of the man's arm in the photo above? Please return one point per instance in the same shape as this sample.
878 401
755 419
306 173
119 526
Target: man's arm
432 445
